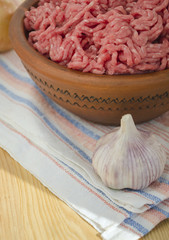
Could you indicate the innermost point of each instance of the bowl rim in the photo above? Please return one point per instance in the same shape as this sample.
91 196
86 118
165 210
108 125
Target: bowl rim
26 51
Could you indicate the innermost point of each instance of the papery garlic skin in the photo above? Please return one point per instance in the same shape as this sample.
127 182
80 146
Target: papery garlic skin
129 158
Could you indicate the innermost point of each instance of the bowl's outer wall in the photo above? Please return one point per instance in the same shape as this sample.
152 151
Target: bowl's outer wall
99 98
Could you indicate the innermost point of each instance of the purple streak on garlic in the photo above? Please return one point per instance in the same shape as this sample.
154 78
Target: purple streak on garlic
128 157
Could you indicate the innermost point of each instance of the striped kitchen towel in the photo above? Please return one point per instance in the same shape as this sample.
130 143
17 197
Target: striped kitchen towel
56 147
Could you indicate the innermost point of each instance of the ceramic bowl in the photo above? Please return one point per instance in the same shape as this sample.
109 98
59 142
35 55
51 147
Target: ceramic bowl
98 98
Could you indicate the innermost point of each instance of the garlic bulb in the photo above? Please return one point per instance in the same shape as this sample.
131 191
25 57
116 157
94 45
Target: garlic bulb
7 8
128 157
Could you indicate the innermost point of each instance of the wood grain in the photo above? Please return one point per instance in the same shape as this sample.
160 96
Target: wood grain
29 211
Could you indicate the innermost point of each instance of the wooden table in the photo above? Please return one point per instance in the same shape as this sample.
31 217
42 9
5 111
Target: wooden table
29 211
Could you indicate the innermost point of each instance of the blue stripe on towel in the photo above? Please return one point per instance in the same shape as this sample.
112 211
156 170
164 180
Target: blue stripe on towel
161 211
148 195
28 80
163 180
35 109
136 225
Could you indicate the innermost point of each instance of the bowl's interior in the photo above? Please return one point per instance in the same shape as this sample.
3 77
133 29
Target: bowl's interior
145 96
20 43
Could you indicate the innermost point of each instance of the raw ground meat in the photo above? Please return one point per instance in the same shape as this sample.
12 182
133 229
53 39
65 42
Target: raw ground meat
102 36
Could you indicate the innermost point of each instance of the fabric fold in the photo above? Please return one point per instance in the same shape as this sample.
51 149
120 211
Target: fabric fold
56 147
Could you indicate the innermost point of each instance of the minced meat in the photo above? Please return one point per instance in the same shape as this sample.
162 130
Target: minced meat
102 36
